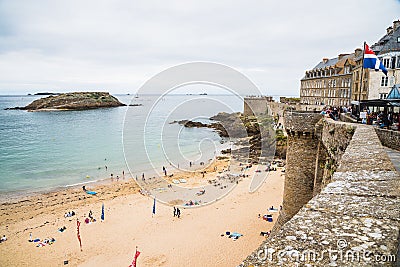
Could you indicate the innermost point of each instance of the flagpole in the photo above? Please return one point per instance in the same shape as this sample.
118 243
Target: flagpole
362 74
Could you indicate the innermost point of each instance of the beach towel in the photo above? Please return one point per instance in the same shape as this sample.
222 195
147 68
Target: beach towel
91 192
182 180
234 234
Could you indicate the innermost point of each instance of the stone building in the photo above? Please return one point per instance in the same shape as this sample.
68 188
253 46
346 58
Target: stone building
375 85
329 82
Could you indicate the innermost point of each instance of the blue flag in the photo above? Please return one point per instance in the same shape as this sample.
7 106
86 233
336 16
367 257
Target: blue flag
154 206
102 212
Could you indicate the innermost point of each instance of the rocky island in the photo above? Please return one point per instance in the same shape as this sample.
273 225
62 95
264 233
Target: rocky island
73 101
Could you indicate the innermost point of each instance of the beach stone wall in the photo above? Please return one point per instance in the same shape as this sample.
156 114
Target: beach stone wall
303 122
320 172
301 156
256 106
353 221
389 138
300 171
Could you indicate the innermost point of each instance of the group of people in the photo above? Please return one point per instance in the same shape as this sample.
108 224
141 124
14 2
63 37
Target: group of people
91 218
333 112
177 212
69 214
382 119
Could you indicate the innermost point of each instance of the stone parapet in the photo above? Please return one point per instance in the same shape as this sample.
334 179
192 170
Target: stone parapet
389 138
297 121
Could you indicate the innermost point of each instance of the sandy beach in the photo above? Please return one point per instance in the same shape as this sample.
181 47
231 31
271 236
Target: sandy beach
164 240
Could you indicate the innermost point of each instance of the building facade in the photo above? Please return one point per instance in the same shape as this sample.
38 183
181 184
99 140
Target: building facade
375 84
329 83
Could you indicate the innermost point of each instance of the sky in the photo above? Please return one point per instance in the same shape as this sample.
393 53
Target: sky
116 46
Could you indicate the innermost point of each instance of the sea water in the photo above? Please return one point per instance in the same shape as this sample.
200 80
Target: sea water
41 151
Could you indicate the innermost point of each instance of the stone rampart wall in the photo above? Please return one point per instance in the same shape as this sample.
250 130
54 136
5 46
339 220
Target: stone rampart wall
347 118
296 121
355 218
255 106
389 138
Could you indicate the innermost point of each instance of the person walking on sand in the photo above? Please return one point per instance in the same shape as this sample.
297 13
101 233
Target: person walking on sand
178 212
174 212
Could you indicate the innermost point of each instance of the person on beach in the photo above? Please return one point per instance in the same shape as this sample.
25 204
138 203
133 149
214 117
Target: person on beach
84 188
174 212
190 164
3 239
106 167
123 174
178 212
143 179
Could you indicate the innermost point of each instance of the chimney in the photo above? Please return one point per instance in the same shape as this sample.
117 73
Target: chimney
358 52
325 60
342 55
389 30
396 24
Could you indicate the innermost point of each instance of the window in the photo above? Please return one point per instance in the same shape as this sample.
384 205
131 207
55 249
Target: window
386 62
384 81
393 65
382 96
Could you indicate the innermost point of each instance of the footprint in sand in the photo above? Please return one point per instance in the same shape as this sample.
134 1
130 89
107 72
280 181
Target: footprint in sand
158 260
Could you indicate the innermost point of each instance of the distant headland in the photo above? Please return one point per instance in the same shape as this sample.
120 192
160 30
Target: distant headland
73 101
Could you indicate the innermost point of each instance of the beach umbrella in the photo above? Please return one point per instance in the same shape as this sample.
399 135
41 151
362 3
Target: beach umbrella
137 253
102 212
154 206
78 224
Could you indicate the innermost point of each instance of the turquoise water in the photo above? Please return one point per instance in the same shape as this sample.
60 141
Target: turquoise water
44 150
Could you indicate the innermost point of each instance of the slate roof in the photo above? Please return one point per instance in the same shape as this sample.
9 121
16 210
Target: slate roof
387 43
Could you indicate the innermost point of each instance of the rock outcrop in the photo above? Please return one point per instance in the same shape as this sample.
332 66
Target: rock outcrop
73 101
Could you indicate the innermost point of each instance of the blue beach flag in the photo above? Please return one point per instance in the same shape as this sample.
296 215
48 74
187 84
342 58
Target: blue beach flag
102 212
371 61
154 206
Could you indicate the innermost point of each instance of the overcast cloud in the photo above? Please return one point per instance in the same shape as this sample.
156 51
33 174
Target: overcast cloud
117 45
